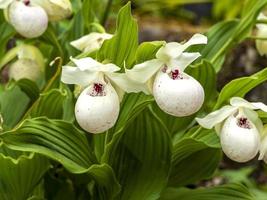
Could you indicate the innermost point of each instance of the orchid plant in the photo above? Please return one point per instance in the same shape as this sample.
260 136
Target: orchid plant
88 113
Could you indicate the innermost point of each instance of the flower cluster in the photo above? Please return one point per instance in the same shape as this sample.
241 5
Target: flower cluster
30 17
97 107
239 128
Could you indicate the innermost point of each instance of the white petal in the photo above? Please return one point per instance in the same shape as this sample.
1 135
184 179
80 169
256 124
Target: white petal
92 65
253 116
73 75
239 102
184 60
173 49
126 84
91 42
261 45
261 17
216 117
144 71
263 146
5 3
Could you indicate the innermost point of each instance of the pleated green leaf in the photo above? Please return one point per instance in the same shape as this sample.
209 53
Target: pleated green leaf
20 173
51 104
64 143
227 192
240 87
13 104
122 47
6 33
56 139
30 88
131 106
224 35
204 72
141 159
195 156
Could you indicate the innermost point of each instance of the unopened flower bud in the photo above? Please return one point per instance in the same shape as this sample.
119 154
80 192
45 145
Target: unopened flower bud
24 68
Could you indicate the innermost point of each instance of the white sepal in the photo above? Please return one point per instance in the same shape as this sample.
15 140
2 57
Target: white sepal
97 114
125 83
73 75
144 71
179 97
5 3
183 61
56 9
261 32
87 71
216 117
90 42
173 49
239 144
239 102
90 64
263 146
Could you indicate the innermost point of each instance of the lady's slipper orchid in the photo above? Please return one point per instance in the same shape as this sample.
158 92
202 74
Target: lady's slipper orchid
238 127
26 61
97 107
30 17
261 45
175 92
28 20
91 42
55 9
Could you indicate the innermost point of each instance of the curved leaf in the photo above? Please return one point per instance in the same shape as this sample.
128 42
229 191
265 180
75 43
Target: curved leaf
19 175
240 87
63 142
227 192
195 156
141 159
122 46
13 104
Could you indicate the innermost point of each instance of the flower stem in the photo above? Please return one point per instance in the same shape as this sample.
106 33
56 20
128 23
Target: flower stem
257 38
106 13
261 21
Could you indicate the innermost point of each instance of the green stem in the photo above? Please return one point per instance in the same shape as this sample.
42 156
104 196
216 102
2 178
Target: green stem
261 21
106 13
256 38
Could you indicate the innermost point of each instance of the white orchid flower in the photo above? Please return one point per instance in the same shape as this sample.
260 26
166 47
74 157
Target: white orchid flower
97 107
29 20
261 45
91 42
25 61
55 9
175 92
238 127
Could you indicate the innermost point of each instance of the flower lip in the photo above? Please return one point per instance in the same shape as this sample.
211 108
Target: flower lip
243 122
98 89
27 2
